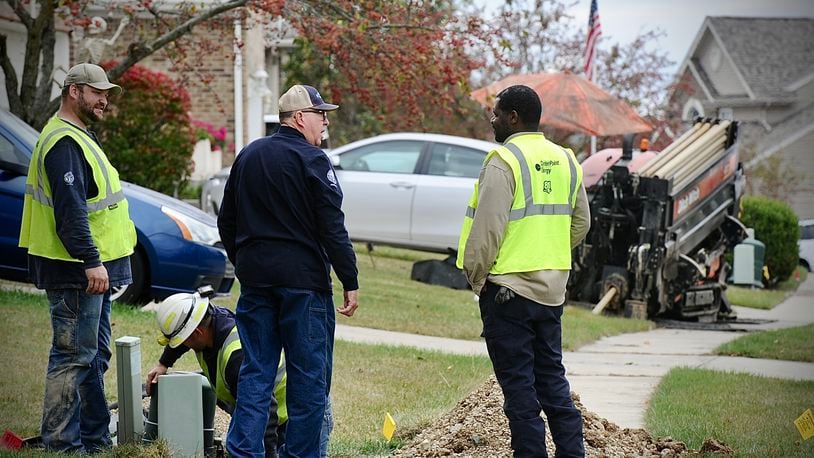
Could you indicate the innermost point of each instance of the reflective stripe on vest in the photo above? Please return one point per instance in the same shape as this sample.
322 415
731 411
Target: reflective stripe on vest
537 235
222 391
537 209
113 232
229 346
38 193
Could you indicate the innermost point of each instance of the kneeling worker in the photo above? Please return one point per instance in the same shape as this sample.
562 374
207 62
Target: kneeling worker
189 321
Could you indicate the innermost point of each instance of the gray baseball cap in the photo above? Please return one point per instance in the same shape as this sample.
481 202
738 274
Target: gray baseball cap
92 75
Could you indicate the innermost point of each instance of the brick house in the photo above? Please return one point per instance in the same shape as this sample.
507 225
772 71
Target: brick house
759 71
234 86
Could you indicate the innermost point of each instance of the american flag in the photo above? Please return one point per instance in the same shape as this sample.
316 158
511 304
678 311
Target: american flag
594 31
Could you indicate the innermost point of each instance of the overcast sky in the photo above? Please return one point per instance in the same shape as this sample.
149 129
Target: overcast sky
622 20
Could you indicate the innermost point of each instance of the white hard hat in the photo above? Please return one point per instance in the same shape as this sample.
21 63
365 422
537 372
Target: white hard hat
179 315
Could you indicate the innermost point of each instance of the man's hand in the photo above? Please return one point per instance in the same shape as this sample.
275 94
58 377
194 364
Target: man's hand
152 376
98 282
351 303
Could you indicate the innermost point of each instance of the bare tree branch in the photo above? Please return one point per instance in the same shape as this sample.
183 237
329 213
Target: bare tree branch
403 26
19 10
140 50
30 96
42 96
36 29
11 78
331 6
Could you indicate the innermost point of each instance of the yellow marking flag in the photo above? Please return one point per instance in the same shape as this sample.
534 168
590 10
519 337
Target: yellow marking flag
805 424
389 426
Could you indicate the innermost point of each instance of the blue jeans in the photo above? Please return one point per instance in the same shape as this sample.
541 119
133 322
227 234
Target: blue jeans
524 340
75 415
301 322
327 427
324 435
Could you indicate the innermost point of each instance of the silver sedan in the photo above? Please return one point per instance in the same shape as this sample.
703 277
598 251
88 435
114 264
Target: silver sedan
408 189
405 189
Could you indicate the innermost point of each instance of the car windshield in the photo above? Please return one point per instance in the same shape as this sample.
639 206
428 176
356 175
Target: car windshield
24 132
13 156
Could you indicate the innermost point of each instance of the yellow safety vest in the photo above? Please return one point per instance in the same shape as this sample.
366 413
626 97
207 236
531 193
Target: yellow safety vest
222 392
538 234
112 230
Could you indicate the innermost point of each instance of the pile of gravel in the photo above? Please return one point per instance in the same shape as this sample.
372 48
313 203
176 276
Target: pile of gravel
477 428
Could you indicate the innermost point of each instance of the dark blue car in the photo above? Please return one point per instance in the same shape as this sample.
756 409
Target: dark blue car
178 248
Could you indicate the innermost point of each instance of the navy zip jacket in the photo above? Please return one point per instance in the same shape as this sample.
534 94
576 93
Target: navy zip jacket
281 220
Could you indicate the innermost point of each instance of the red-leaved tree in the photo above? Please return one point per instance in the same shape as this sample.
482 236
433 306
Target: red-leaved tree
391 52
150 137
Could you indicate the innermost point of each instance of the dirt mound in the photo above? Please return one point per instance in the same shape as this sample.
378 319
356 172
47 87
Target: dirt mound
477 428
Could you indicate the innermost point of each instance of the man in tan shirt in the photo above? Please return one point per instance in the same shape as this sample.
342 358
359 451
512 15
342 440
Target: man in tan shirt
521 310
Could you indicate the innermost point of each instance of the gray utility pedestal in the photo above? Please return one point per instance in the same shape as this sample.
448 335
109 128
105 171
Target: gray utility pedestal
128 375
180 413
749 257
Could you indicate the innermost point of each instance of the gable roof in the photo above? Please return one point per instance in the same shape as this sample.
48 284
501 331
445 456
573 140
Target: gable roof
772 56
770 53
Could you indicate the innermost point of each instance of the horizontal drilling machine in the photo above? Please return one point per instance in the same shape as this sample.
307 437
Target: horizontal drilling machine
661 225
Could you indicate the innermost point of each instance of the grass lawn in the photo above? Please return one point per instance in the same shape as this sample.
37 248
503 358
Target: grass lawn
389 300
753 415
766 298
793 344
414 386
25 336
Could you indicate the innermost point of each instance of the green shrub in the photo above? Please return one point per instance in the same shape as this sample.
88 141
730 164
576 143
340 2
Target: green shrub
148 134
775 225
190 191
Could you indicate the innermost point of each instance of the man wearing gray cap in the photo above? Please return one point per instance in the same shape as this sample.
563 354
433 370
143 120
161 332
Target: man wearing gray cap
283 228
79 237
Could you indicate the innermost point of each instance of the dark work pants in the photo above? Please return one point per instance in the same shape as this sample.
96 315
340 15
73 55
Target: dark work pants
524 339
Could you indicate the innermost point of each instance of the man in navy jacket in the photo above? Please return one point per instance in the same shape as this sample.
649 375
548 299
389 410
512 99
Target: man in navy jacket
283 228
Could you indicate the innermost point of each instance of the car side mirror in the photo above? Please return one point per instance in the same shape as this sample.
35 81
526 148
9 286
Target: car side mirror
335 161
14 167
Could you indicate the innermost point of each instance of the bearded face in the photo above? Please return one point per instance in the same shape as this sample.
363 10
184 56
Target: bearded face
91 104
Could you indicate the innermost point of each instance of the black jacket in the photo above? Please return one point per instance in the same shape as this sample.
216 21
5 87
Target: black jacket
281 220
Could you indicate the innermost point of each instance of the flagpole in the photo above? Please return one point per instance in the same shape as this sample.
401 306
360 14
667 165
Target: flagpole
594 31
593 137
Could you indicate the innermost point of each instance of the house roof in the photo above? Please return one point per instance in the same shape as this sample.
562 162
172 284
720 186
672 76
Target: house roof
771 54
783 134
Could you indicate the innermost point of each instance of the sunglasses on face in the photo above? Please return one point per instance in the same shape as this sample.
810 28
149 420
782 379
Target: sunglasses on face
321 112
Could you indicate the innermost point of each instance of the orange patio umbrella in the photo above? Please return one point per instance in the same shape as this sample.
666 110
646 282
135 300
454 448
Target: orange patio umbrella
572 103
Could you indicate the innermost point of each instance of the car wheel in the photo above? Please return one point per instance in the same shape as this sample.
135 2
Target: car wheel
134 293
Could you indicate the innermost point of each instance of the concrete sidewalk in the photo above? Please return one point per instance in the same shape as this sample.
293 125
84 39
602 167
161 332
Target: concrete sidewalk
615 376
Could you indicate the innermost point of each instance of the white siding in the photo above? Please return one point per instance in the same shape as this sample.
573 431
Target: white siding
800 154
15 33
718 68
